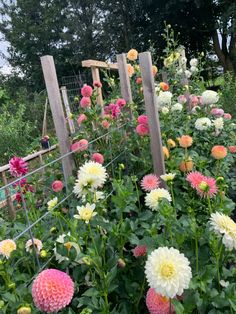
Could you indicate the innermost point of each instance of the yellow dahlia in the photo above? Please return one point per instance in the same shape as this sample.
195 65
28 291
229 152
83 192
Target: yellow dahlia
86 212
132 54
6 247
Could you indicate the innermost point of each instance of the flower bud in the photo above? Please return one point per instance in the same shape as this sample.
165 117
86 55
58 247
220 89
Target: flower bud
24 310
1 304
43 253
121 263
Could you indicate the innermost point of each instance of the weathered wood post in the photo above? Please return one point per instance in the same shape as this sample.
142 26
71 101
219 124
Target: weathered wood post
67 108
59 120
96 77
124 78
11 208
145 62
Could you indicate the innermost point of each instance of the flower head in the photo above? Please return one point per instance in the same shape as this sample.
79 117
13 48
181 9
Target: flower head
132 54
165 110
225 226
52 290
86 91
227 116
24 310
142 129
85 102
138 80
6 247
168 177
86 212
218 112
164 99
121 102
166 152
205 186
182 99
79 146
140 250
150 182
232 149
52 203
154 70
81 118
209 97
18 167
177 107
97 157
219 123
202 124
171 143
143 119
130 69
155 196
193 62
164 86
57 186
168 271
219 152
105 124
186 165
37 243
157 304
185 141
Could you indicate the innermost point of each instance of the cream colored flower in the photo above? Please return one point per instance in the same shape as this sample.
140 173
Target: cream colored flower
132 54
155 196
68 244
219 123
29 245
86 212
224 284
164 98
209 97
168 271
165 110
177 107
202 124
6 247
193 62
168 177
52 203
224 225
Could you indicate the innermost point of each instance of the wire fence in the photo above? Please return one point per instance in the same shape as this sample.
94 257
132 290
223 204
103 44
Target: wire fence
30 225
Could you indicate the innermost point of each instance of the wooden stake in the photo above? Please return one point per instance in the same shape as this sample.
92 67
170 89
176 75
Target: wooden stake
124 78
54 97
67 107
145 62
96 77
11 209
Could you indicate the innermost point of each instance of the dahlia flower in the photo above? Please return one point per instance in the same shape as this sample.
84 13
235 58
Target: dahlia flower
232 149
193 69
120 102
154 70
182 99
209 97
218 112
185 141
130 70
86 91
143 119
18 167
164 98
52 203
86 212
168 177
177 107
24 310
81 118
85 102
142 129
165 110
150 182
193 62
140 250
79 146
132 54
37 243
97 157
171 143
155 196
168 272
202 124
164 86
6 247
225 226
52 290
105 124
187 73
227 116
219 123
166 152
219 152
57 186
157 304
205 186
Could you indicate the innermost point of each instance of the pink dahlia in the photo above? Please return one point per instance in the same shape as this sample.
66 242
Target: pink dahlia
182 99
157 304
81 118
85 102
97 157
227 116
97 84
105 124
57 186
112 109
150 182
217 112
142 129
18 167
79 146
21 182
140 250
86 91
232 149
52 290
193 100
143 119
120 102
205 186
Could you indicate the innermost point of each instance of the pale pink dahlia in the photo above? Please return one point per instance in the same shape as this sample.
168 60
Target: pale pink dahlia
140 250
157 304
81 118
150 182
52 290
97 157
227 116
205 186
18 167
86 91
80 145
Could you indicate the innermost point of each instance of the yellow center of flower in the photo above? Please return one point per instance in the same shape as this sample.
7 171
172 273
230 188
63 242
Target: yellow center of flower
94 170
68 245
86 213
167 270
203 186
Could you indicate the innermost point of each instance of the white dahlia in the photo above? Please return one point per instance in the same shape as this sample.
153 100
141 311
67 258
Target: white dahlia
152 198
194 69
187 73
224 225
165 110
193 62
209 97
168 177
37 243
177 107
86 212
219 123
168 272
202 124
164 99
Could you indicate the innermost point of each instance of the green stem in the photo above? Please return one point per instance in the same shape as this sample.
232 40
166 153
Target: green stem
196 253
139 204
140 294
92 238
209 204
170 307
173 197
218 262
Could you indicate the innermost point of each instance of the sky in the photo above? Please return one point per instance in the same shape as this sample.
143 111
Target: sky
5 68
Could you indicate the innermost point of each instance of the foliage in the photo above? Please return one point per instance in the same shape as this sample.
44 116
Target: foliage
228 87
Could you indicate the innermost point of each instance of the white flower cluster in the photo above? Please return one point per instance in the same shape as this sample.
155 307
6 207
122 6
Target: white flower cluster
168 272
164 99
177 107
91 176
224 225
202 124
209 97
219 123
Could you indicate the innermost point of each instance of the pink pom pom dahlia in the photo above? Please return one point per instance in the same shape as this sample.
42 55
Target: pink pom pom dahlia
79 146
86 91
81 118
85 102
18 167
120 102
142 129
140 250
143 119
157 304
205 186
52 290
150 182
57 186
97 157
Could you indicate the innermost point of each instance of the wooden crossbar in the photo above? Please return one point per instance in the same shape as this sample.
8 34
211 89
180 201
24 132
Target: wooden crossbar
99 64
